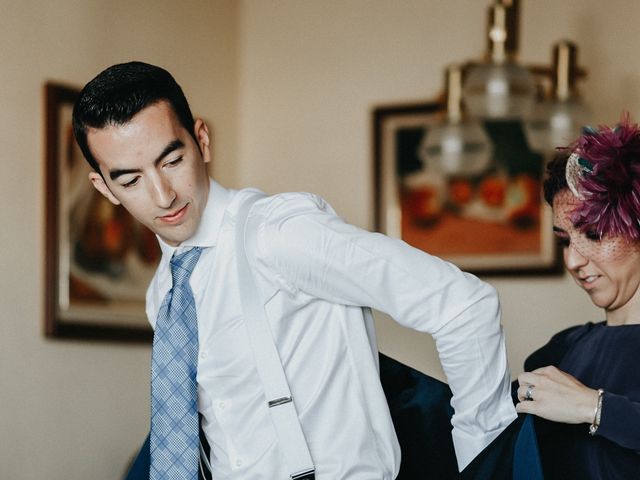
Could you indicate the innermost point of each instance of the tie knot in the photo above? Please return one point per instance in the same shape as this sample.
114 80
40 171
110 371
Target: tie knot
182 265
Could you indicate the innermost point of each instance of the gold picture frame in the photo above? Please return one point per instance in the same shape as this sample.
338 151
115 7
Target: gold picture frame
99 260
494 224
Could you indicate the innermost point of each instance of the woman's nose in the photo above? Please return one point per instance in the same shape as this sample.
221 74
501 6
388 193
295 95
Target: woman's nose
574 258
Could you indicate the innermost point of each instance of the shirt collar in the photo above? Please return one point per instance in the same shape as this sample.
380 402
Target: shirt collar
210 223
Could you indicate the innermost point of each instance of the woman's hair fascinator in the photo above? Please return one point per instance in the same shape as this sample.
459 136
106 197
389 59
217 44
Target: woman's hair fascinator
603 171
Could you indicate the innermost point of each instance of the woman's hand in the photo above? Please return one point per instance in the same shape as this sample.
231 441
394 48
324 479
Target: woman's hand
556 395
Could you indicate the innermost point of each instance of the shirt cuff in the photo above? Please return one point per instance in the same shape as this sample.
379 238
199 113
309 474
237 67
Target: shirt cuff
468 446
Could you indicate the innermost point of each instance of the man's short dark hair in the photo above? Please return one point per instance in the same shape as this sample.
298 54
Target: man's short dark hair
120 92
556 179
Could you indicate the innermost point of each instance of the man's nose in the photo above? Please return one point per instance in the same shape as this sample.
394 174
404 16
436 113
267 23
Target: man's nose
162 192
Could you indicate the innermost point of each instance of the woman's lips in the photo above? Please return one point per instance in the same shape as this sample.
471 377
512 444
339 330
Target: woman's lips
587 282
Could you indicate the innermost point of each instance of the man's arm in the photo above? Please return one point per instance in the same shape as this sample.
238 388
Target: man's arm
319 253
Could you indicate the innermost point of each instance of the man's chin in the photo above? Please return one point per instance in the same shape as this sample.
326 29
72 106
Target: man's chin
175 238
174 235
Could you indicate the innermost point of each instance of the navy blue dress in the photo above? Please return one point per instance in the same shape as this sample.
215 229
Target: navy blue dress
604 357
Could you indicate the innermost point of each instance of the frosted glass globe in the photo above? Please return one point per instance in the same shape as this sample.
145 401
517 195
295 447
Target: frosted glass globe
499 91
555 123
462 149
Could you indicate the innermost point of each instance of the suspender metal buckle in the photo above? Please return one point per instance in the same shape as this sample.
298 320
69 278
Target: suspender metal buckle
306 475
279 401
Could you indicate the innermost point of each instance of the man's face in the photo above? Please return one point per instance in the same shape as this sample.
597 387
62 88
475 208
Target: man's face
154 168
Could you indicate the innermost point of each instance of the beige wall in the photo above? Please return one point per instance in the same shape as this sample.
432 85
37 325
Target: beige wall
288 87
76 410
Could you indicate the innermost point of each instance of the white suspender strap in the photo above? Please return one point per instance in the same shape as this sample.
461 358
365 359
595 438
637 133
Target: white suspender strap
279 400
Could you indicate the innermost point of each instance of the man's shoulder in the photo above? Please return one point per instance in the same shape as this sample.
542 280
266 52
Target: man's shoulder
279 206
280 228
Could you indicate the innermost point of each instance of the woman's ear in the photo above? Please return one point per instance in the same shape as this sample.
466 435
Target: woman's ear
204 142
100 185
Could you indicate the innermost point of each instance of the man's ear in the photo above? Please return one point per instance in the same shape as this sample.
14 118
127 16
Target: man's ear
204 143
100 185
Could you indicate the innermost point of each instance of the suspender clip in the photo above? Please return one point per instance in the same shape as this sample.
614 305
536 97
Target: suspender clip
280 401
306 475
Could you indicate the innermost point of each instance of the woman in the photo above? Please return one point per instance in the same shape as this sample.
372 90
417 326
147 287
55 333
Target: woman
584 385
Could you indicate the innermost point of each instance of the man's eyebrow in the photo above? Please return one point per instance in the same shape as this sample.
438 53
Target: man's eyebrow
171 147
558 230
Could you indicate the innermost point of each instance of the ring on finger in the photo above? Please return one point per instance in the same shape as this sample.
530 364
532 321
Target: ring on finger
529 393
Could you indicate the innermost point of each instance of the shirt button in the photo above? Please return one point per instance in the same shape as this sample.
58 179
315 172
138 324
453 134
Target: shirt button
221 405
203 355
238 463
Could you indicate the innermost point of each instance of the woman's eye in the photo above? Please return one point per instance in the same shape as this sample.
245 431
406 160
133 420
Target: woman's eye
593 235
563 239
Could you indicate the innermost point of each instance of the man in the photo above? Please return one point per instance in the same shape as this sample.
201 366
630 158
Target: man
316 279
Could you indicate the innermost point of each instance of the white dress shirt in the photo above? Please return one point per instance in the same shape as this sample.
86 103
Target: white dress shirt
317 277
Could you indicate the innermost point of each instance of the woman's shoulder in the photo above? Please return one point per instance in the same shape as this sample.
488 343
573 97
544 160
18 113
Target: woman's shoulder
576 333
555 349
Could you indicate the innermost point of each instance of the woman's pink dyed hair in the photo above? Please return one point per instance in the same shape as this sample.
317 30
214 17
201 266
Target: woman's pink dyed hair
609 183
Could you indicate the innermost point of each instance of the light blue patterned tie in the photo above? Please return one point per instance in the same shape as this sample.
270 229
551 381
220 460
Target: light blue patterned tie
174 391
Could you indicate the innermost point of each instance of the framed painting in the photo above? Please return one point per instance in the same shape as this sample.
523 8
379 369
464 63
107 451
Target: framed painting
99 260
488 221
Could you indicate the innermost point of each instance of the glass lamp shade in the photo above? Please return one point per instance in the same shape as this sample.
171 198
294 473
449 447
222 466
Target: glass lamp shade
556 123
457 149
499 91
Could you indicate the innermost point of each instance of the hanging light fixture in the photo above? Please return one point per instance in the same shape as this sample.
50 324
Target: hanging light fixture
499 88
458 146
558 120
484 158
